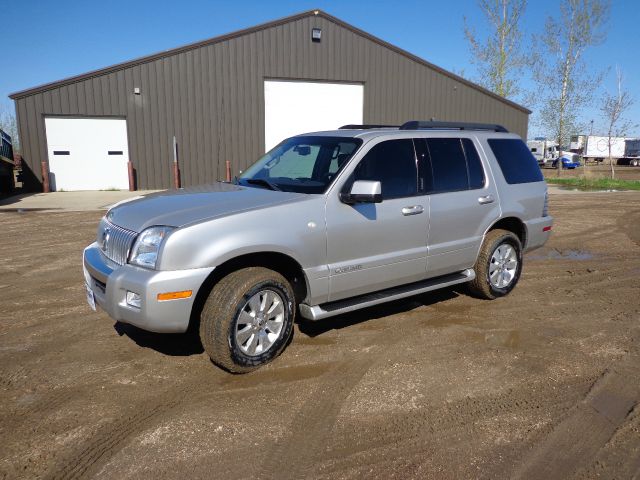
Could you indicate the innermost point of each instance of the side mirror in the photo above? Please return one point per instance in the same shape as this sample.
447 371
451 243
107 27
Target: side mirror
363 191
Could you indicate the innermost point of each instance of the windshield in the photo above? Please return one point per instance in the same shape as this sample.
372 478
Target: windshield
301 164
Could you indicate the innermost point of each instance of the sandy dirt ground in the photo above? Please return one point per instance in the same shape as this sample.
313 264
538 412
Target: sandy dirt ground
544 383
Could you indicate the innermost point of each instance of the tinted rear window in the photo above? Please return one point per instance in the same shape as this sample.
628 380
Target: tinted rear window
448 165
515 160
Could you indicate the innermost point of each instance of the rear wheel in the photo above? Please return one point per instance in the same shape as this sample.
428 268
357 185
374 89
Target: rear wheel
498 266
248 319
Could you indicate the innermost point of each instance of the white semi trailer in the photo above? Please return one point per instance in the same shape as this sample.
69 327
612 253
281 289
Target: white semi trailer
595 148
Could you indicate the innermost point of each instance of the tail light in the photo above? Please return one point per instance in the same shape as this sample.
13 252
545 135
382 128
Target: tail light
545 209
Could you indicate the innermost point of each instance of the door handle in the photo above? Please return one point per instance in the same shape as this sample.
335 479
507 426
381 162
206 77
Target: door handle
486 199
413 210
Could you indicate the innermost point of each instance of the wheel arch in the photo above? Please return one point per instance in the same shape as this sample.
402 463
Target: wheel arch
512 224
285 265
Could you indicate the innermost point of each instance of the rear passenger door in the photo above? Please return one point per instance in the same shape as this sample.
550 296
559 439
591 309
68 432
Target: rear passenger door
463 202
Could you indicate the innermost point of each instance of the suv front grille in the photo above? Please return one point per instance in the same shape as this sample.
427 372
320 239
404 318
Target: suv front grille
114 241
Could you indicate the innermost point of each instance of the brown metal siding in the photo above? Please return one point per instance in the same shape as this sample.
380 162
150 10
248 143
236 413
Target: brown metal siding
212 97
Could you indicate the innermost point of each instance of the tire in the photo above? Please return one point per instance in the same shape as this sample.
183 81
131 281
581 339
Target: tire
244 296
497 243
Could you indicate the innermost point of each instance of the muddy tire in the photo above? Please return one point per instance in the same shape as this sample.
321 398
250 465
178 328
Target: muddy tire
498 266
248 319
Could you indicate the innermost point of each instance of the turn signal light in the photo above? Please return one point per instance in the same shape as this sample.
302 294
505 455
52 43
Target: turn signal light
174 295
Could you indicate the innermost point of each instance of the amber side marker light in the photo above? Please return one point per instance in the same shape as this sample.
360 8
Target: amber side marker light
174 295
546 229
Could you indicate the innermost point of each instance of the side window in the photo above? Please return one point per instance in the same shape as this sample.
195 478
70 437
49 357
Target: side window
448 164
516 161
476 173
342 153
393 164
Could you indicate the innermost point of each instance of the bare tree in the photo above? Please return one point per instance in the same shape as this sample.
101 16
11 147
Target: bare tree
499 56
613 107
9 124
565 85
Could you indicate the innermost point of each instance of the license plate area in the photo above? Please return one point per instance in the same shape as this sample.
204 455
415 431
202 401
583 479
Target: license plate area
91 299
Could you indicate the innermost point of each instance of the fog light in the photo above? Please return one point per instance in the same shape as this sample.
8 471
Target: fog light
133 299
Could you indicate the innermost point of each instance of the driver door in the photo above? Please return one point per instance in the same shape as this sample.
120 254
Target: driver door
373 246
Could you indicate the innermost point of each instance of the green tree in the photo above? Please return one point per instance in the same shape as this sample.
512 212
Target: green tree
565 85
614 106
499 54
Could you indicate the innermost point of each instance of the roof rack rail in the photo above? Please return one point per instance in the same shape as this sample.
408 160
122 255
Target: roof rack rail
420 125
365 127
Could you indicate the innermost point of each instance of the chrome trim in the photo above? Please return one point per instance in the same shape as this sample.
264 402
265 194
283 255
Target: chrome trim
115 242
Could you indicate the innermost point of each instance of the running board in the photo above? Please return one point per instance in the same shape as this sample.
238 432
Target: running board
319 312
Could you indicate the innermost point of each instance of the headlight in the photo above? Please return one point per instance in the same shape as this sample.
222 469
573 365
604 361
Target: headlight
147 245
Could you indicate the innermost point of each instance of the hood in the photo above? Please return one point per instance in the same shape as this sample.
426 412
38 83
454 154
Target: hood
177 208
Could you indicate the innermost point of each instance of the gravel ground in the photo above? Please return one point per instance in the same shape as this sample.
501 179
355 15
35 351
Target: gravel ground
544 383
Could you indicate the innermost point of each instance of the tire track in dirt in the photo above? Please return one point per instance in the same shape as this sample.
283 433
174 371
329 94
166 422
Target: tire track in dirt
107 441
86 461
315 420
411 434
590 425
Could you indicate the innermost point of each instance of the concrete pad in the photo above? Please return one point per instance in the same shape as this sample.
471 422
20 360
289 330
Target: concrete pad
69 201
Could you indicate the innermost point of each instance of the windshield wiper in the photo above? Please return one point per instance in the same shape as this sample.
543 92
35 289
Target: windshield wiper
262 181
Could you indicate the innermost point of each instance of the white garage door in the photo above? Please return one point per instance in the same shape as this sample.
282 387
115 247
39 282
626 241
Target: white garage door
292 108
87 153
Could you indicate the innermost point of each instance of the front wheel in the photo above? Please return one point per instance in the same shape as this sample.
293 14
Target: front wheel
498 266
248 319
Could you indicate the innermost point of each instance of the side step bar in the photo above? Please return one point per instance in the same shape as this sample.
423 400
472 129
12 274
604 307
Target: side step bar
331 309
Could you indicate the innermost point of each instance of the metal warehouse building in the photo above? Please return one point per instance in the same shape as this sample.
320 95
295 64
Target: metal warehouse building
231 98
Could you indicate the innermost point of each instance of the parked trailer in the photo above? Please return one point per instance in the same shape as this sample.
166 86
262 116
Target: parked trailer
595 148
631 153
543 150
6 164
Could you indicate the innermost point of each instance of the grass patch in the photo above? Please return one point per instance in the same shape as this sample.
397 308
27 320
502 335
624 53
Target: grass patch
596 183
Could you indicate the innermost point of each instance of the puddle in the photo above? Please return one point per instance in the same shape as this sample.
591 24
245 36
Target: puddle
560 254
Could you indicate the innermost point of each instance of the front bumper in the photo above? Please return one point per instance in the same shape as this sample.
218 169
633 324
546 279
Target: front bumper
110 283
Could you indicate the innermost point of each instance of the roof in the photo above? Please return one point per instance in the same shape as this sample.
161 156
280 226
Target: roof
257 28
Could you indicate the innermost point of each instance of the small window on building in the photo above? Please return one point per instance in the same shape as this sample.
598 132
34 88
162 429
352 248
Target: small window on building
115 152
393 164
61 152
517 163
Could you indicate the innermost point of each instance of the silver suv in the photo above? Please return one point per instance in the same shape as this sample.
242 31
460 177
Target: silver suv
323 224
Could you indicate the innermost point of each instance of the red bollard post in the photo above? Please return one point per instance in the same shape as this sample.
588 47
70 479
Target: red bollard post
176 175
228 163
45 177
132 180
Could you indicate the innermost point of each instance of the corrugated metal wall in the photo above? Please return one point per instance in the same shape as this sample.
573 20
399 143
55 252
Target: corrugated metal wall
212 97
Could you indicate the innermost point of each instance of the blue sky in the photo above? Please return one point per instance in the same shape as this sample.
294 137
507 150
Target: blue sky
45 41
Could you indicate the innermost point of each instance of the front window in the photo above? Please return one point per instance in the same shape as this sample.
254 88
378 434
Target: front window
301 164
